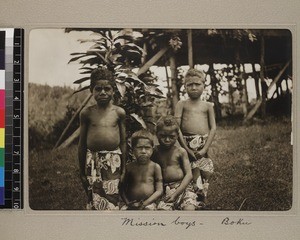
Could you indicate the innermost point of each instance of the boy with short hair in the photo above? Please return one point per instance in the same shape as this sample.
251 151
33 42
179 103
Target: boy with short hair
174 161
102 144
142 184
197 123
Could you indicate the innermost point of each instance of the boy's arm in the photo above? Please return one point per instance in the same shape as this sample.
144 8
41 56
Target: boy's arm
123 144
82 148
178 117
158 186
123 188
186 179
212 132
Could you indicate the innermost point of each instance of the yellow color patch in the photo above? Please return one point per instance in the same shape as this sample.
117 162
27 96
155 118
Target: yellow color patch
2 134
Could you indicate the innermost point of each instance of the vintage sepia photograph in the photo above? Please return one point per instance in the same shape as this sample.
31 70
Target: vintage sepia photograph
160 119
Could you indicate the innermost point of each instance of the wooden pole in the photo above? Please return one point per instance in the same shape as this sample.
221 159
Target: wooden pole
190 48
153 60
69 140
169 96
144 56
246 88
72 119
173 81
258 103
245 102
279 75
256 81
215 92
262 77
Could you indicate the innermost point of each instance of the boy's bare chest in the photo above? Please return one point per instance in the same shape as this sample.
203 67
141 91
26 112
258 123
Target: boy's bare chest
168 158
105 119
142 173
198 110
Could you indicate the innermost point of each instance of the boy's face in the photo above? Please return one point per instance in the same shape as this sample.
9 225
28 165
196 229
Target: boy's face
194 87
102 91
143 150
167 136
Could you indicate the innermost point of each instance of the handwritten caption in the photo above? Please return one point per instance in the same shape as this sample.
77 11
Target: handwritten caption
179 222
137 222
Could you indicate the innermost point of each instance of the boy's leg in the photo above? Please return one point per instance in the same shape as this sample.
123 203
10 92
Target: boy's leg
196 175
206 170
198 184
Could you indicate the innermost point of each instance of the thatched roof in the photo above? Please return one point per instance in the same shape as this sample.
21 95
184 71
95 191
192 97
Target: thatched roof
221 47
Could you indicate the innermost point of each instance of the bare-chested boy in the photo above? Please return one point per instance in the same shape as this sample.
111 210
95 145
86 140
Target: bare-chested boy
176 169
102 144
197 123
142 184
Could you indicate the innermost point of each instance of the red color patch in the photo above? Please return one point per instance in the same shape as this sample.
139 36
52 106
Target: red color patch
2 118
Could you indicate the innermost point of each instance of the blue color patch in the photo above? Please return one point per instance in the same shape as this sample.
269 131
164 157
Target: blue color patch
1 176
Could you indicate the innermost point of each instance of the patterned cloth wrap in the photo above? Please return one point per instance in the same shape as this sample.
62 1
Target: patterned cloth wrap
95 161
186 198
196 143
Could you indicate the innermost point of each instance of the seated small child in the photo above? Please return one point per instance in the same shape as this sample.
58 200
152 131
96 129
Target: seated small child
142 185
176 169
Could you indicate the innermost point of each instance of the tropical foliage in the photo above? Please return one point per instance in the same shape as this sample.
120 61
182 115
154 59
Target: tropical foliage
120 51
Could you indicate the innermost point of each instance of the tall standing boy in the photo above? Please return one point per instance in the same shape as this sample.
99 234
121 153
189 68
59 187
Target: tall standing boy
102 144
196 119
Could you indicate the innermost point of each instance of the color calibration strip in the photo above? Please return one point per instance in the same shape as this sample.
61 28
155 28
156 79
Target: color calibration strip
2 115
12 134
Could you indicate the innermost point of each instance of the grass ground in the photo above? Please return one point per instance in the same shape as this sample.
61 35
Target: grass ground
253 171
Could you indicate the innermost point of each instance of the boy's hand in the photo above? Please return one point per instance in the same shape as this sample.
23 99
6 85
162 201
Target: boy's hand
200 154
134 205
171 198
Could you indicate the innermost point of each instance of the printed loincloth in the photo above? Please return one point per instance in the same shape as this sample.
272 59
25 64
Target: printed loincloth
151 206
95 162
186 198
196 143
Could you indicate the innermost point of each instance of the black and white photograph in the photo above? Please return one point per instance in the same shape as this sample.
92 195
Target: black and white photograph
189 119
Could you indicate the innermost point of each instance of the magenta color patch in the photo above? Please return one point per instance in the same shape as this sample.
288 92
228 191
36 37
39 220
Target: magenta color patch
2 99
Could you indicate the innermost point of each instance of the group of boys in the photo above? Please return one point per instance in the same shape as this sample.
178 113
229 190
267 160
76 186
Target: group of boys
162 177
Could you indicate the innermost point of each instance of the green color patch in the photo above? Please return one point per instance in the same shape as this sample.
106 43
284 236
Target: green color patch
2 157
